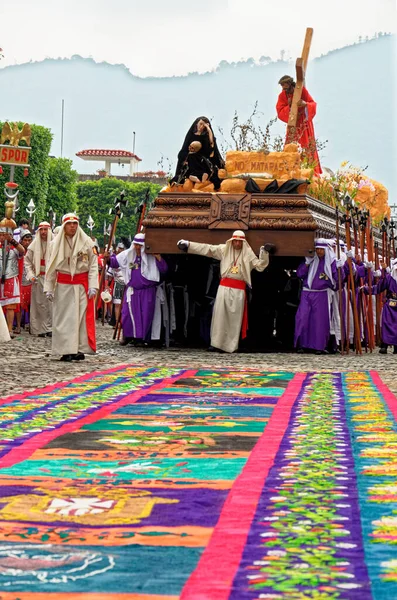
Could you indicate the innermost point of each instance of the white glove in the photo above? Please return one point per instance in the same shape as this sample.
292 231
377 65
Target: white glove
377 273
339 263
183 245
50 296
91 293
388 269
369 265
309 259
262 252
350 254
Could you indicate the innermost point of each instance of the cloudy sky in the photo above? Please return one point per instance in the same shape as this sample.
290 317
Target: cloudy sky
173 37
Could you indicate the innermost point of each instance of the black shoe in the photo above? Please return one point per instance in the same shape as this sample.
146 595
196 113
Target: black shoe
78 356
66 358
300 351
42 335
383 351
49 334
125 341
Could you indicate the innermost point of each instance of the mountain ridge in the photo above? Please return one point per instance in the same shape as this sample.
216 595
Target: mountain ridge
105 103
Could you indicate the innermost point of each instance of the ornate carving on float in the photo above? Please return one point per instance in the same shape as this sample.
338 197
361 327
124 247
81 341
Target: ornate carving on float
287 202
177 221
230 212
284 223
198 201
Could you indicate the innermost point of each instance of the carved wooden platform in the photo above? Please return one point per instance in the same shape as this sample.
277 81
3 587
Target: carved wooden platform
291 221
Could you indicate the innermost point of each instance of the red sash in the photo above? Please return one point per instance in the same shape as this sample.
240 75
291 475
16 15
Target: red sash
239 285
82 279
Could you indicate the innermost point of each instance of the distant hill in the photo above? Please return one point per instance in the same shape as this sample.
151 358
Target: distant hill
105 103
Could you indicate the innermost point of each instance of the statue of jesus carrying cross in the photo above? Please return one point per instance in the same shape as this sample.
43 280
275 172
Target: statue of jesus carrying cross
297 108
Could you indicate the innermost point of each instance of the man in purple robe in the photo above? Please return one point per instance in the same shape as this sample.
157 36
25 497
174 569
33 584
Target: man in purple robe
387 283
320 276
141 273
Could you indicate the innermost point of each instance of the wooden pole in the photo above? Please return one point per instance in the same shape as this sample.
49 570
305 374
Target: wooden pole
353 289
357 244
367 300
342 321
117 215
378 300
300 66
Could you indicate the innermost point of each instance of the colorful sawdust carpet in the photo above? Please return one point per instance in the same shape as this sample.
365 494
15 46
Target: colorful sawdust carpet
165 483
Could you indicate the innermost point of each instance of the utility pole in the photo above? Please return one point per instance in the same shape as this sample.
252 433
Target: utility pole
62 120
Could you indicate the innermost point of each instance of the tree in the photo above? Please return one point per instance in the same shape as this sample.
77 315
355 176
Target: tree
62 182
95 198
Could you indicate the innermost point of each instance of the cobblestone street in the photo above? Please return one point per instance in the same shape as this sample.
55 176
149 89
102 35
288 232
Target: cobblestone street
27 363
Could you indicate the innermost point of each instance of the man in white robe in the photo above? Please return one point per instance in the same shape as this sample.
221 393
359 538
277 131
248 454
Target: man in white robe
36 260
71 282
229 318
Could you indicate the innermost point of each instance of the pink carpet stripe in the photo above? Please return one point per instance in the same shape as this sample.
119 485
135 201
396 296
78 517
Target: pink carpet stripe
389 397
213 577
55 386
26 450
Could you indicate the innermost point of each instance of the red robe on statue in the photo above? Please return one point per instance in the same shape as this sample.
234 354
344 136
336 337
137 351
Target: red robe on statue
304 125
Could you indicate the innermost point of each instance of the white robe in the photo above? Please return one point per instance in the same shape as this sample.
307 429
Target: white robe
69 331
4 333
228 311
40 314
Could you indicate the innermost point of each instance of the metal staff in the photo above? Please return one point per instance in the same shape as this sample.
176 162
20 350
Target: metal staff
117 212
392 227
141 210
342 322
349 204
31 209
383 228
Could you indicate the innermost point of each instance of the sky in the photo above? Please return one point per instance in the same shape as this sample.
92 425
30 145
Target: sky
175 37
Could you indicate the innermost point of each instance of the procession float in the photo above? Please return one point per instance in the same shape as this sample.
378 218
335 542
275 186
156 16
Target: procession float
280 198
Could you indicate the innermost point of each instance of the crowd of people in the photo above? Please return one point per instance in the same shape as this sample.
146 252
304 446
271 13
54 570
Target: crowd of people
50 284
338 308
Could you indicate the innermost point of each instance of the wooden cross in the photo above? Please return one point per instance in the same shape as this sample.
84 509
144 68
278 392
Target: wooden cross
301 65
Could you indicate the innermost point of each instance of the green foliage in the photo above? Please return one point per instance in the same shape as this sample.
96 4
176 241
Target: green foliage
34 186
95 198
62 181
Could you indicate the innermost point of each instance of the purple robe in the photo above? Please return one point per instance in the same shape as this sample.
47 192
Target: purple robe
312 322
137 317
389 313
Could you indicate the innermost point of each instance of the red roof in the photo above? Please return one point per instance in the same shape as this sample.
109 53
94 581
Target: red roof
108 154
